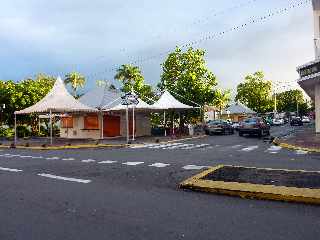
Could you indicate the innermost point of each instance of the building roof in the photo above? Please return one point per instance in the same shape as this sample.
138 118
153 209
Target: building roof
140 106
238 108
167 101
101 97
58 100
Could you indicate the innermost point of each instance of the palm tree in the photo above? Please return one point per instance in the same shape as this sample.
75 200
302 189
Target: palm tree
222 98
130 76
76 80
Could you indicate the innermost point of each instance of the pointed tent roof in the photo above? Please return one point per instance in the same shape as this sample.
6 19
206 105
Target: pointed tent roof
140 106
167 101
58 100
101 96
239 108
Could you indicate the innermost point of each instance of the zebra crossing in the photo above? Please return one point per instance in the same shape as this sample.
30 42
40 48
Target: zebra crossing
171 146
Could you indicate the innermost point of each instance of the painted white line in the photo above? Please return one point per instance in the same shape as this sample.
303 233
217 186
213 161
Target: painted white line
159 165
274 148
236 146
301 152
37 157
250 148
64 178
88 160
107 162
194 167
132 163
68 159
52 158
26 156
10 169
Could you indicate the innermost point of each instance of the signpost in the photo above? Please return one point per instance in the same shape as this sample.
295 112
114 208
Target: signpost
130 99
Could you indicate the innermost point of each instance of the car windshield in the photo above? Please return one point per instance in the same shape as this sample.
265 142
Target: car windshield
250 121
215 122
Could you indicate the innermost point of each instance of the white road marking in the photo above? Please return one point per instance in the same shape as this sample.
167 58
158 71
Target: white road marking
10 169
236 146
132 163
64 178
107 162
68 159
301 152
37 157
159 165
274 148
26 156
52 158
250 148
194 167
88 160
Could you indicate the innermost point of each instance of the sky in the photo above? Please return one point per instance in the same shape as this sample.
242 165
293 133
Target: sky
96 36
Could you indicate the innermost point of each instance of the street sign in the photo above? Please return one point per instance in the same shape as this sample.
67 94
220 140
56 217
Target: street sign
129 99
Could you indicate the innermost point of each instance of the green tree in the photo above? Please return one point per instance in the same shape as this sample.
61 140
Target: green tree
76 80
23 94
287 102
131 77
222 98
186 74
255 92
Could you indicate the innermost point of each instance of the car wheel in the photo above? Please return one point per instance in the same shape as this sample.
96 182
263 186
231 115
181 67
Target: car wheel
260 134
207 132
232 131
240 134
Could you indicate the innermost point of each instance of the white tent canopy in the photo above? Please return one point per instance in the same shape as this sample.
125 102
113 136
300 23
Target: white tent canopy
167 101
58 100
140 106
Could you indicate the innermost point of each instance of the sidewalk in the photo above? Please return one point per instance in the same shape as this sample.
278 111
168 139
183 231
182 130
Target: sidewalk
301 138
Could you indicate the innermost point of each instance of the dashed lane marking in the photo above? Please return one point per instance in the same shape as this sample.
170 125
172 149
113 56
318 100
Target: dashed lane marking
88 160
236 146
132 163
52 158
159 165
64 178
194 167
10 169
26 156
107 162
68 159
301 152
250 148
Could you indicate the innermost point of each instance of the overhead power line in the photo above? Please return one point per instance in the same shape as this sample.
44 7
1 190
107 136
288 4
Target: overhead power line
212 36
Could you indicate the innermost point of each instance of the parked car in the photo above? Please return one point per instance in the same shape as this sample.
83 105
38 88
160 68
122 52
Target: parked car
305 119
255 125
218 126
296 121
277 121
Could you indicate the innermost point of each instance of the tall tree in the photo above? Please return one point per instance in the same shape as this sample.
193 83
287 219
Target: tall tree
76 80
222 98
255 92
289 101
131 77
186 74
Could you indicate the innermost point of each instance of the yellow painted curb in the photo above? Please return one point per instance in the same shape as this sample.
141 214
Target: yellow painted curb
252 191
69 147
278 142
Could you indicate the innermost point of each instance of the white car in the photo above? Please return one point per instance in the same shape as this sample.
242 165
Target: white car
305 119
277 121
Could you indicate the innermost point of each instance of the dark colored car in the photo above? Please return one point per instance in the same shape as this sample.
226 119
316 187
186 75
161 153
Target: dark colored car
296 121
255 125
218 126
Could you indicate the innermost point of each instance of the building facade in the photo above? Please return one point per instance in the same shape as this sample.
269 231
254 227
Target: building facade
310 72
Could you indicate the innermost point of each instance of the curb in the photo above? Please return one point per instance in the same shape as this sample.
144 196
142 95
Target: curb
251 191
85 146
278 142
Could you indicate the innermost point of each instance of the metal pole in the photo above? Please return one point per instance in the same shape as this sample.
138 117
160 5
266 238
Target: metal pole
164 123
297 106
102 121
15 129
127 122
133 123
50 127
275 102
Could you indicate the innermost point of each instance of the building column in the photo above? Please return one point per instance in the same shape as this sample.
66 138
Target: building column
317 106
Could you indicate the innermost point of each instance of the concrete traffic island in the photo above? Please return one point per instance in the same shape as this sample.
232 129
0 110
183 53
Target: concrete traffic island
258 183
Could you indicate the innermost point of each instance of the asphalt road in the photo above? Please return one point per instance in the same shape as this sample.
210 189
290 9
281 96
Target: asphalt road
132 193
